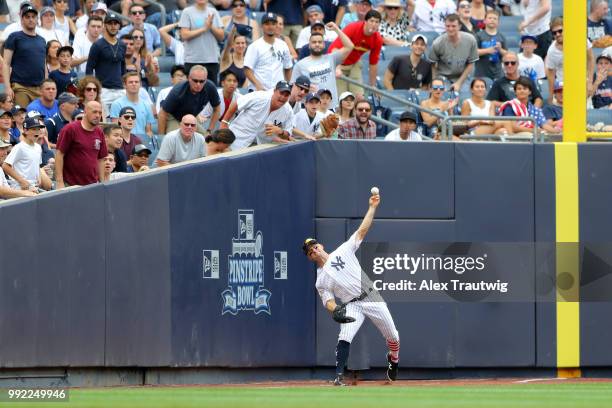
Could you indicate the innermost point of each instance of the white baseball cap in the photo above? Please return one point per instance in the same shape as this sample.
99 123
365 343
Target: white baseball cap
421 36
345 95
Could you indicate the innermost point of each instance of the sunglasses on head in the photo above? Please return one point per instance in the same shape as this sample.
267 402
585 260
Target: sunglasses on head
509 62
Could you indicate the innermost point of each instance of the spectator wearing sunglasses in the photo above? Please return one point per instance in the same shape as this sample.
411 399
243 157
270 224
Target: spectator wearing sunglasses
430 16
239 19
182 144
502 89
127 121
360 126
554 57
137 18
189 98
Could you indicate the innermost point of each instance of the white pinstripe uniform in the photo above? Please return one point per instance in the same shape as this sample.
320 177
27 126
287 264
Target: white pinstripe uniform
341 277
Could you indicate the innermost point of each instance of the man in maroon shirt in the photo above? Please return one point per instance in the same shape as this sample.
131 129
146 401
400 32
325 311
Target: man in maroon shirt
81 149
365 37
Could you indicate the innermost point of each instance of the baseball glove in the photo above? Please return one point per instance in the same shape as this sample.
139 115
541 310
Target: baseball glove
340 316
329 124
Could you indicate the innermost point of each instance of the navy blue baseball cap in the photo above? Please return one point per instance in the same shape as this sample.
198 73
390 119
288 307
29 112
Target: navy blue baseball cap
31 123
307 244
313 95
267 17
283 86
303 82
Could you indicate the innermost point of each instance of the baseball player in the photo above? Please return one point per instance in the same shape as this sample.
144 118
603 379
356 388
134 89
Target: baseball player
339 276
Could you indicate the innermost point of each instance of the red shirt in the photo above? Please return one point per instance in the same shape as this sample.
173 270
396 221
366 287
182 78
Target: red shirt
82 149
363 43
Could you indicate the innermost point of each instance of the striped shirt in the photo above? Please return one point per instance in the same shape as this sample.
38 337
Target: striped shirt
341 275
267 61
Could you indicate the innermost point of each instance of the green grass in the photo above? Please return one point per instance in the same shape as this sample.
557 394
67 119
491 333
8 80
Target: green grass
516 395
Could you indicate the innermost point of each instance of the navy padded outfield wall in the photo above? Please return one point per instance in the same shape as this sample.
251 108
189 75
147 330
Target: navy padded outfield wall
246 217
200 265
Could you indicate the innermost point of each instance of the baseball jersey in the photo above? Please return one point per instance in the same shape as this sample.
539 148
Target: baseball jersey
303 122
268 61
341 275
253 115
431 18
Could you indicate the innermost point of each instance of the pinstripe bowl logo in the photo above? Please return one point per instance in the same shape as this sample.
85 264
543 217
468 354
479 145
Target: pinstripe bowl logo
245 273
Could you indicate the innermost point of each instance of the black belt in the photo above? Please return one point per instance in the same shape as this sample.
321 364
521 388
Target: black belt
363 295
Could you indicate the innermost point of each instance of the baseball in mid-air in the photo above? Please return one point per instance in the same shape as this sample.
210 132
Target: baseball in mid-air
374 191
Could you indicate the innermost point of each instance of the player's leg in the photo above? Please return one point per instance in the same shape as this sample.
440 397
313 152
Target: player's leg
379 313
347 333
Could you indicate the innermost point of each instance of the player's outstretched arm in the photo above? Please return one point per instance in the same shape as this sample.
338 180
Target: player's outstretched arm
369 217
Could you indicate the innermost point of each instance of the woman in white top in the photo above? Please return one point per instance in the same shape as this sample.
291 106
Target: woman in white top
62 21
47 27
477 105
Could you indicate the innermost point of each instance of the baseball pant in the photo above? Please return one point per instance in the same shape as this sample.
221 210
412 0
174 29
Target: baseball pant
377 312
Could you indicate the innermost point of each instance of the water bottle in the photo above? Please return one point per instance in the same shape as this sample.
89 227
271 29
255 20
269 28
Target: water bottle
494 58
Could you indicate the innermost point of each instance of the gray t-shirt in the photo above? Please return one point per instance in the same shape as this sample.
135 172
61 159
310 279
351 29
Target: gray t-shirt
489 65
175 150
321 71
203 48
451 59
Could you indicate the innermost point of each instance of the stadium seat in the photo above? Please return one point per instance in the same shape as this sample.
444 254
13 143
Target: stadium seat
595 116
430 35
509 24
165 80
165 63
390 51
513 40
543 85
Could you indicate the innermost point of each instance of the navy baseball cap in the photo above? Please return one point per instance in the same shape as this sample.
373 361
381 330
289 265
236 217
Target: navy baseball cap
283 86
313 95
302 81
408 115
76 113
31 123
127 109
269 17
5 112
317 23
324 91
307 244
529 37
110 17
18 108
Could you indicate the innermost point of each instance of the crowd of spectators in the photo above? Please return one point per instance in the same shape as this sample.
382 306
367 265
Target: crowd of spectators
92 88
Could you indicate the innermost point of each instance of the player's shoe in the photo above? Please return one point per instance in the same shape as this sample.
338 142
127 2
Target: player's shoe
391 369
339 381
